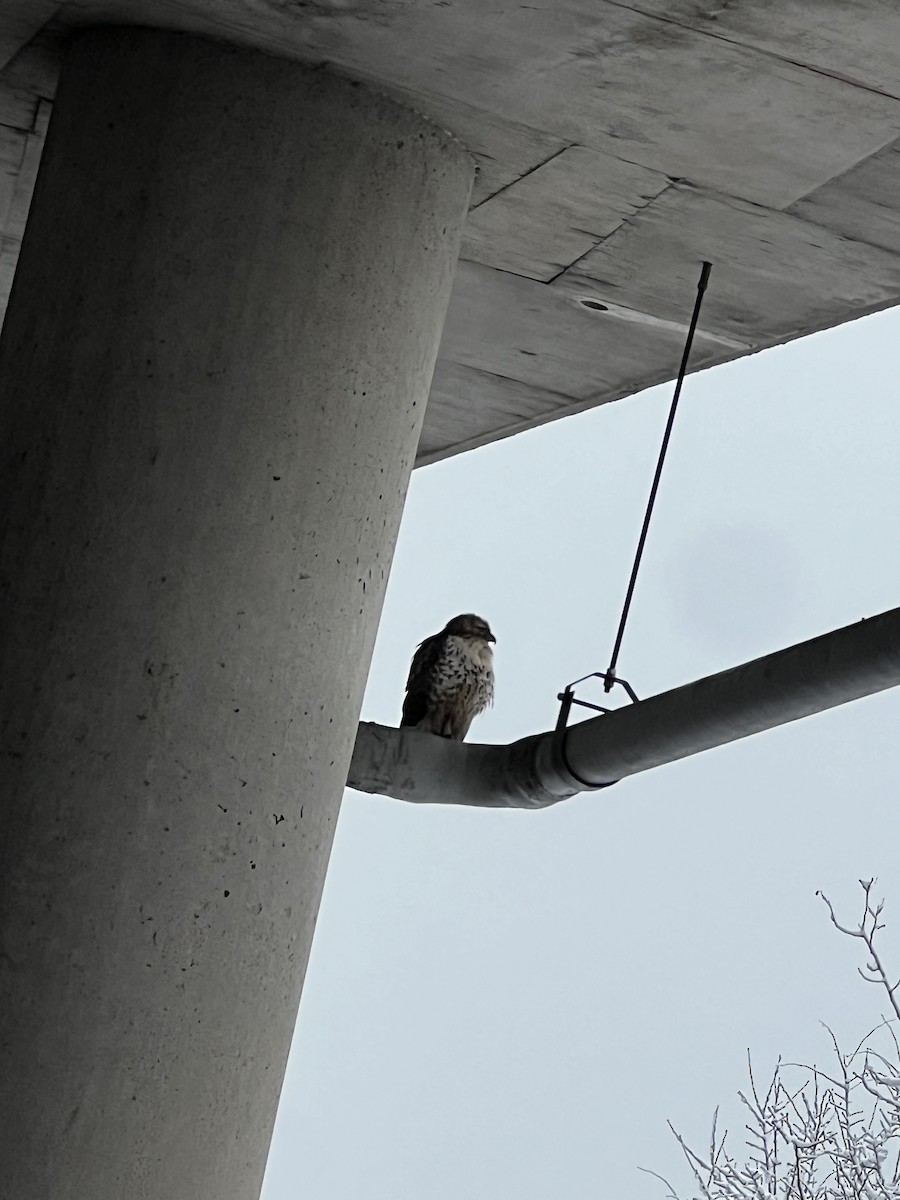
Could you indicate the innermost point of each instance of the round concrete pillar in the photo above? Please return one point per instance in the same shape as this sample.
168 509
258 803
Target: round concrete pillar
213 374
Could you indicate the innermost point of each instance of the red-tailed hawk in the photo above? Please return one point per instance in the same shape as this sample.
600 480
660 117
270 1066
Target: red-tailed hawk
451 679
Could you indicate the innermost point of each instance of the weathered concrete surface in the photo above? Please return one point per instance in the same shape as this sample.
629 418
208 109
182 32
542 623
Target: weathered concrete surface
584 118
619 143
20 22
215 365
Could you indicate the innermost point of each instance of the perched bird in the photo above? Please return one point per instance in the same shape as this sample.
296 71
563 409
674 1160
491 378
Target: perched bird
451 679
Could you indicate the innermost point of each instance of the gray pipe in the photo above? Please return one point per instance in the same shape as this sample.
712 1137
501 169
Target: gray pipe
540 770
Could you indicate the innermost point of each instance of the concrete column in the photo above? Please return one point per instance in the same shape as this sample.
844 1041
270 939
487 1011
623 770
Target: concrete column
213 375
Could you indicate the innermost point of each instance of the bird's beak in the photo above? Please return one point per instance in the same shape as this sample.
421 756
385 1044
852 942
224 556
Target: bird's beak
491 638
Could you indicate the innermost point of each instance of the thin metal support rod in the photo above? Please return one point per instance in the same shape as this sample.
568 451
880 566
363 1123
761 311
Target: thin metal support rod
610 676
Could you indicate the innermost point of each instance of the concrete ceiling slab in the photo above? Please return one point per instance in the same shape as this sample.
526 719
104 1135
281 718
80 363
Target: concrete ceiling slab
24 117
764 261
468 408
862 203
618 144
543 336
544 222
857 40
12 149
20 21
585 71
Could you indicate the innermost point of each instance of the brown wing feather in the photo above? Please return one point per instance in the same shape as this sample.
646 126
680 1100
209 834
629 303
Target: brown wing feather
415 704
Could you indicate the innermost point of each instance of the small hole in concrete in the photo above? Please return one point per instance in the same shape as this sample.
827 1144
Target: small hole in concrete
595 305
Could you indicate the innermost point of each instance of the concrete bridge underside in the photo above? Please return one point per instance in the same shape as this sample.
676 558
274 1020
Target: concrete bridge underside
618 143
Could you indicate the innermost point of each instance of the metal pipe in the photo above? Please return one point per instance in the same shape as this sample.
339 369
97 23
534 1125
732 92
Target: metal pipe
540 770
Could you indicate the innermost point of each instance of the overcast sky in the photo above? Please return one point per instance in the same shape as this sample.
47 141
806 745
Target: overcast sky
508 1005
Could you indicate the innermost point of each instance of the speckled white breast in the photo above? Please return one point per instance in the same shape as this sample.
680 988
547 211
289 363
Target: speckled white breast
467 670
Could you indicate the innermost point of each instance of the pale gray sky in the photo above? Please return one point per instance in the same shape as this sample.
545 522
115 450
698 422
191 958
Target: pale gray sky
507 1005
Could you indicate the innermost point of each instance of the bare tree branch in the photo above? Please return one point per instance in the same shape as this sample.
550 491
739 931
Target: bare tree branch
813 1135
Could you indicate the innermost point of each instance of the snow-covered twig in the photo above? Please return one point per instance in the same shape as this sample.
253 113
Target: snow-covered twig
813 1135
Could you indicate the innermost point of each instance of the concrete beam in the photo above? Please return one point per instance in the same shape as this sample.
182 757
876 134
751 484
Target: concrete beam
541 770
213 373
